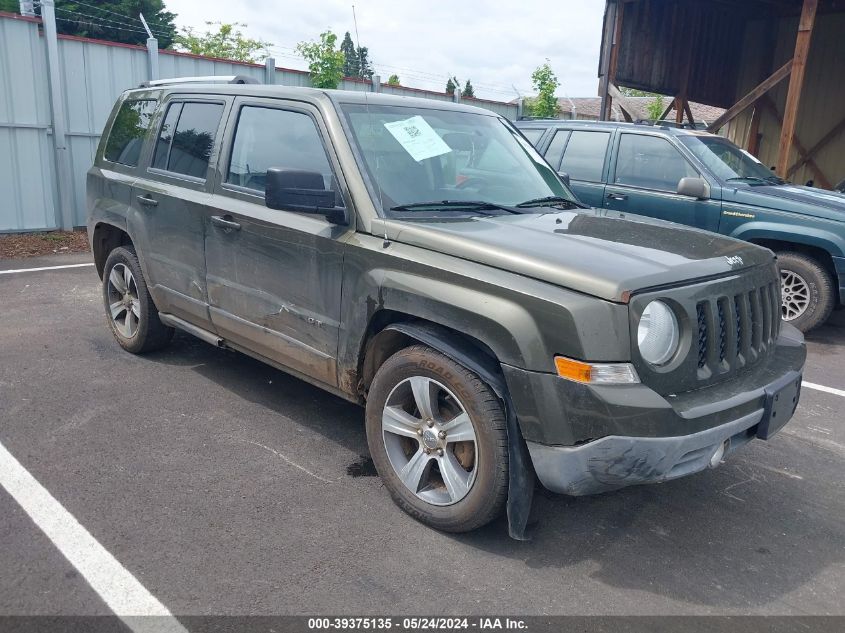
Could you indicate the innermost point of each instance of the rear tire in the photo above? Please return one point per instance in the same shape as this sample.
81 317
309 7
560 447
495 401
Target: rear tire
131 313
461 483
807 291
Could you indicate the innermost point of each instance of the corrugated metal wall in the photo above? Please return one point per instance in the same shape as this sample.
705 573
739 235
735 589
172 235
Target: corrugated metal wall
93 75
823 97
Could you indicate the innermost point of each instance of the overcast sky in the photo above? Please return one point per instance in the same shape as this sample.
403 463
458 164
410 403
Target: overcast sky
495 44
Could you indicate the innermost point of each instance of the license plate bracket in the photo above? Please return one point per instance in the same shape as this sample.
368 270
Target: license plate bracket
781 400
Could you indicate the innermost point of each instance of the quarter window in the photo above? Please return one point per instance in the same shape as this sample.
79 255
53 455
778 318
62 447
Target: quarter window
584 155
269 137
532 134
130 126
187 137
555 151
650 162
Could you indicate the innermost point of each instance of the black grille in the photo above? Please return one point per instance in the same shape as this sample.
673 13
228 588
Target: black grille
702 335
738 313
736 330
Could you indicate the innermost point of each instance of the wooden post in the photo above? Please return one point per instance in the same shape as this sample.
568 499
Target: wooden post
796 81
607 45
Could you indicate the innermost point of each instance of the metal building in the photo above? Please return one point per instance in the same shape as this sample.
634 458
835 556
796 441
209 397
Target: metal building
776 66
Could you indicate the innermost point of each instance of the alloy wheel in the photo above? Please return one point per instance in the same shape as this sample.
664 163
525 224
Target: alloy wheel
795 294
430 440
124 305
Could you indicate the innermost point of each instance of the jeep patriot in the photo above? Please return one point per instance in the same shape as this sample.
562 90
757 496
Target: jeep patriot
421 259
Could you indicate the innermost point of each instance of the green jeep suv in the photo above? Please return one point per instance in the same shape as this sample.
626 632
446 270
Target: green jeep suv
700 179
421 259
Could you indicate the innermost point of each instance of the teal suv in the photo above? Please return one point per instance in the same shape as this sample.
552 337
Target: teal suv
703 180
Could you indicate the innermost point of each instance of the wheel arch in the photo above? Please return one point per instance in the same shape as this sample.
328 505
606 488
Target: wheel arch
106 238
821 255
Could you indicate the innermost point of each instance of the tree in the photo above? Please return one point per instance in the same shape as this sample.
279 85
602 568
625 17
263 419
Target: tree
227 42
10 6
351 65
393 80
545 82
655 107
324 60
468 90
452 84
365 66
116 20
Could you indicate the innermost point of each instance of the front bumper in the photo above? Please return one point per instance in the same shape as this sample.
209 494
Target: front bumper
585 439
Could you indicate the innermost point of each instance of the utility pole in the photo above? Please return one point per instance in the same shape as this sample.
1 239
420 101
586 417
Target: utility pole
152 49
65 217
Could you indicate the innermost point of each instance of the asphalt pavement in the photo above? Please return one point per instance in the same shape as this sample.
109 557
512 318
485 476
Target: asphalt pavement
228 487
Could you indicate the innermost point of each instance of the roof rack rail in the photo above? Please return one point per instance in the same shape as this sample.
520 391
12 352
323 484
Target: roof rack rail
208 79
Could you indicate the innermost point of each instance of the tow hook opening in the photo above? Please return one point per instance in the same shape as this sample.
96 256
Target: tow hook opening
719 454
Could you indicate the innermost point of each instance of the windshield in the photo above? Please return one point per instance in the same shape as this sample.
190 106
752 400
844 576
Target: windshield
726 160
413 156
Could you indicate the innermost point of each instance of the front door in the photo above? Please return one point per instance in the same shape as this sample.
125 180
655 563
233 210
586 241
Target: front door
171 200
644 180
584 160
274 277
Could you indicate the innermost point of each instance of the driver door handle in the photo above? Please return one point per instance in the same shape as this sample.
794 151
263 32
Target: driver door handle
617 196
225 222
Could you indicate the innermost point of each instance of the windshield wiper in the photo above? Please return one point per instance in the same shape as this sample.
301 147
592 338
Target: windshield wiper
751 179
550 201
474 205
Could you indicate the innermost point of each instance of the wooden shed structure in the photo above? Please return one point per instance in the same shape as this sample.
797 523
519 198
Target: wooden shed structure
776 66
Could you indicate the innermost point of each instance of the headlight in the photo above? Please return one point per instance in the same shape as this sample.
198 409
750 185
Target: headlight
658 334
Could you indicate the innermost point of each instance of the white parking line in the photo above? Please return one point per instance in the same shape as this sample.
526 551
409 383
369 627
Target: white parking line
118 588
835 392
32 270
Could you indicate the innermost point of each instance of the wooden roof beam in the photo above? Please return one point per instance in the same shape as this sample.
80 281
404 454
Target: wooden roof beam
758 91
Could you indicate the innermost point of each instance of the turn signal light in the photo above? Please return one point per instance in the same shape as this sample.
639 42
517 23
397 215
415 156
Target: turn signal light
596 373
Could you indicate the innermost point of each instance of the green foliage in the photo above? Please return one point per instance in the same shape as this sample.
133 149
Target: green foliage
351 67
452 84
633 92
365 66
115 20
325 61
655 107
10 6
468 90
393 80
226 42
545 82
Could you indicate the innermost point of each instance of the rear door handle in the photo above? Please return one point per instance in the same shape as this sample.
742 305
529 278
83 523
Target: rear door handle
225 222
617 196
147 201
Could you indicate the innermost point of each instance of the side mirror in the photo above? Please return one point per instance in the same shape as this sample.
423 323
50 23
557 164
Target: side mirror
304 191
694 188
564 177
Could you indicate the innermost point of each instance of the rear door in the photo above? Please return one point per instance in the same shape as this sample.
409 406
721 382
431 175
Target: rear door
584 154
274 277
644 180
170 199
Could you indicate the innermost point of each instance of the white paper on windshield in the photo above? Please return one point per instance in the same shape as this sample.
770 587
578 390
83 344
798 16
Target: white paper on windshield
418 138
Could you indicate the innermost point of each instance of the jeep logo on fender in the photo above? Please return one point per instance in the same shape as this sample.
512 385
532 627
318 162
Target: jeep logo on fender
735 261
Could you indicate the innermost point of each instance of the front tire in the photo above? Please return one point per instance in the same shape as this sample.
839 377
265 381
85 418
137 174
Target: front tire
131 313
437 435
807 291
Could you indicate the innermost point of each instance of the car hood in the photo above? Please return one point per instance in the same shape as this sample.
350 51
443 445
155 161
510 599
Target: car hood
797 199
598 252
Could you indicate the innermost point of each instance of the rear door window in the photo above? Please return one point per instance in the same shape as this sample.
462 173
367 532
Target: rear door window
650 162
584 155
130 126
187 137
